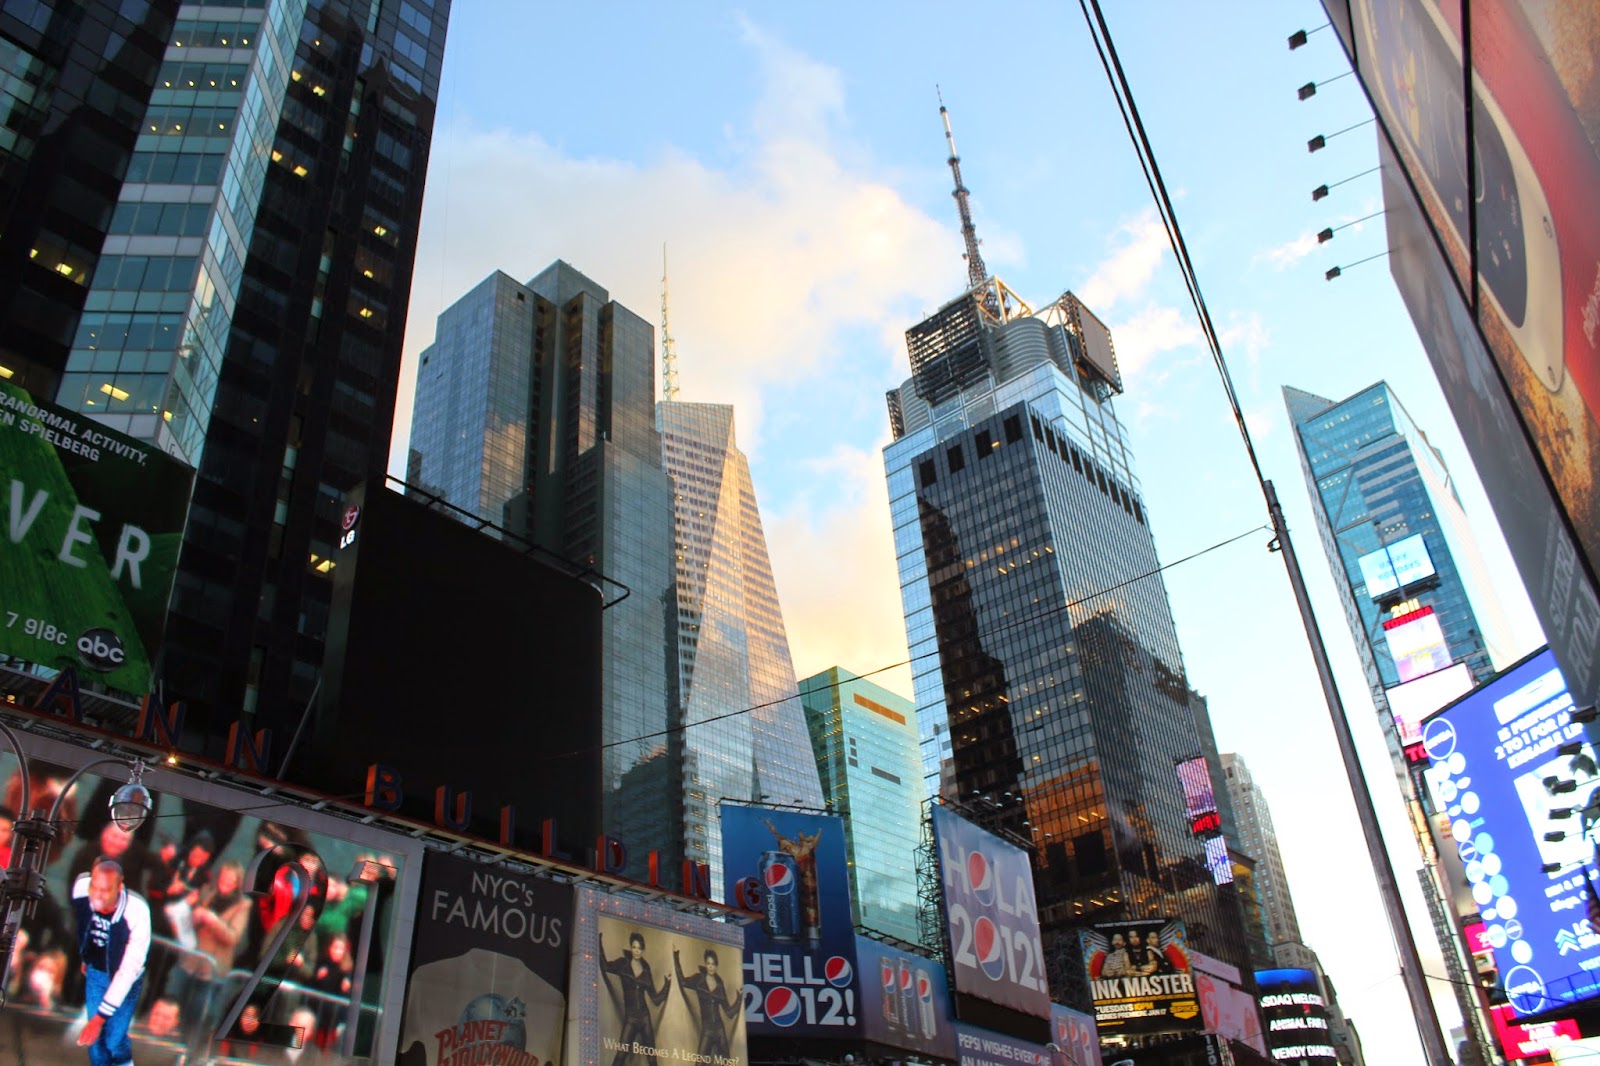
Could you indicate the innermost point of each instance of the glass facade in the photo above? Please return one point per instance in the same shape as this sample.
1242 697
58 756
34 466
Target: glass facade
1259 840
865 741
535 410
1050 689
732 651
75 82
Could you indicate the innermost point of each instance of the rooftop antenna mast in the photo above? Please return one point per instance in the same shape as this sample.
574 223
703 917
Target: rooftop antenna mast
977 273
669 357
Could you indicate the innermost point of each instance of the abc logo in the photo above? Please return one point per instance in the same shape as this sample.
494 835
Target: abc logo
780 879
980 877
783 1006
986 941
839 972
101 649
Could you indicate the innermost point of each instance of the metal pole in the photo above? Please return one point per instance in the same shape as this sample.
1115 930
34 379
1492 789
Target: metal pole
1427 1018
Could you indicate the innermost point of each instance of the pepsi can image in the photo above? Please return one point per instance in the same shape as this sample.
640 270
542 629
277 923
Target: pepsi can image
926 1015
908 999
778 876
889 978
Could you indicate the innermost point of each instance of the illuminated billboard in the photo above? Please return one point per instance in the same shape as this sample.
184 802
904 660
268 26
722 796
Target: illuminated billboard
95 521
259 926
1413 701
1416 644
800 963
989 906
1494 760
651 983
1294 1014
906 1000
1140 978
488 979
1218 861
1396 565
1530 1041
1200 800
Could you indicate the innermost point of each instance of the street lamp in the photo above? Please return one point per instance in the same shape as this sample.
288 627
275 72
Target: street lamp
23 886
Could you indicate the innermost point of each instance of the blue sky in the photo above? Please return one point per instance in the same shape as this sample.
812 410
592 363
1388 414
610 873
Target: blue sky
792 158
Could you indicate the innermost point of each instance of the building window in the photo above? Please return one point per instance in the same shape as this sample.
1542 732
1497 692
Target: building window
1013 429
927 474
956 460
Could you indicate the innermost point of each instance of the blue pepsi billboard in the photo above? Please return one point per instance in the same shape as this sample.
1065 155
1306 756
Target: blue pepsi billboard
905 1000
992 916
800 959
1494 757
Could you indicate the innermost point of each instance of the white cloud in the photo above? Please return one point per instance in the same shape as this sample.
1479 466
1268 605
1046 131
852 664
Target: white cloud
1153 330
1129 269
1288 254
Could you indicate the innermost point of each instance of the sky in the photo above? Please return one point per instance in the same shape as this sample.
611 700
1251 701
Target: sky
791 159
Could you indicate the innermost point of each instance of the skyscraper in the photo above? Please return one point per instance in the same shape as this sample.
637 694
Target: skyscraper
535 411
731 649
1051 695
247 311
1259 840
865 741
1422 608
78 78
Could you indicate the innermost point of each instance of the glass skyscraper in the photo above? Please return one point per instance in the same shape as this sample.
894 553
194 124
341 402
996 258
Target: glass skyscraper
1051 696
731 649
865 741
243 257
535 411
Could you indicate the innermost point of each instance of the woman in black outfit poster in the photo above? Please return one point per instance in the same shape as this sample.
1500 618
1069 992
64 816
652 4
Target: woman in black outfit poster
712 1004
633 989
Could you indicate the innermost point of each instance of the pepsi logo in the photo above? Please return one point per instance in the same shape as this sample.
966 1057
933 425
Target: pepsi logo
986 941
905 978
780 879
839 972
980 877
783 1006
888 976
924 987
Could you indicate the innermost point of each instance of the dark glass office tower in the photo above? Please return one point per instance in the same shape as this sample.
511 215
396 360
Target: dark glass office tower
536 412
1050 688
75 79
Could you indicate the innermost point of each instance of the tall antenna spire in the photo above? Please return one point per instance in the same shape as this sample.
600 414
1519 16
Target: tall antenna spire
669 357
977 273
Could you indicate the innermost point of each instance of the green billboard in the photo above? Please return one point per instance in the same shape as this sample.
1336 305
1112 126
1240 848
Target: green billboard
93 523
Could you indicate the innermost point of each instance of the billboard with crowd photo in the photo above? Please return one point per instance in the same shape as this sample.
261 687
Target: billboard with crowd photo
653 983
228 925
1140 977
488 974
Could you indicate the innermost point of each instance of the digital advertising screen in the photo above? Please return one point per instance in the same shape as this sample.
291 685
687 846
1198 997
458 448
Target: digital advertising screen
1140 977
1410 703
1218 861
1396 565
905 1000
489 962
1228 1010
1200 800
985 1047
1530 1041
1416 644
1295 1016
258 925
801 974
95 522
1492 757
1075 1034
995 949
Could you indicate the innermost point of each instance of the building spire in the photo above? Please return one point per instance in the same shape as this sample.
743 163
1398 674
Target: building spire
669 357
977 273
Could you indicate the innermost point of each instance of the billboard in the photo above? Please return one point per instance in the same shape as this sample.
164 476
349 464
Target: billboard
1413 701
905 1000
488 967
1530 1041
992 916
652 983
1228 1010
1295 1015
1416 644
1493 757
984 1047
1200 801
260 925
1218 861
95 521
1514 346
1396 565
1075 1034
800 969
1139 977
